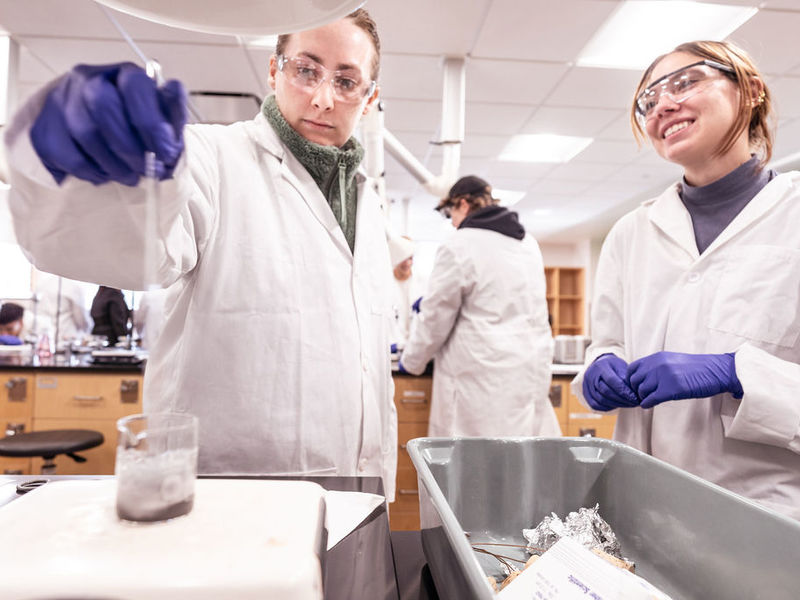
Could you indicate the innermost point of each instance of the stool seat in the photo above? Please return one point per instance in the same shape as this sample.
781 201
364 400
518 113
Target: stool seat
49 444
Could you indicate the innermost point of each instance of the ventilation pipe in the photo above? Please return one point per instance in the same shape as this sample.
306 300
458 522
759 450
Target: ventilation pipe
451 135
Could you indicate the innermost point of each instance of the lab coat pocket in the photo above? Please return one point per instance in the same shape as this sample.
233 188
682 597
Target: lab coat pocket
758 297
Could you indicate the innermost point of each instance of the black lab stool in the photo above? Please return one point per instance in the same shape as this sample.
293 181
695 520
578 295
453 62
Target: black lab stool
49 444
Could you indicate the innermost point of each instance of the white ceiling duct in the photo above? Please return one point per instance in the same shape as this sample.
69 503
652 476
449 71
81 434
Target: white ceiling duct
238 17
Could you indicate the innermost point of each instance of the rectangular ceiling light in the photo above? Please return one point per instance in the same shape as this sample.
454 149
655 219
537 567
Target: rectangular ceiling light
640 30
265 41
543 147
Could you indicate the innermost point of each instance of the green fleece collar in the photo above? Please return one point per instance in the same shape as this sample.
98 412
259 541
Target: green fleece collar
333 169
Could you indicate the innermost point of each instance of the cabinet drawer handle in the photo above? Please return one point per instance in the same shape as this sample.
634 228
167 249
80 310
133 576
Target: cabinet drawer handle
414 400
88 398
408 492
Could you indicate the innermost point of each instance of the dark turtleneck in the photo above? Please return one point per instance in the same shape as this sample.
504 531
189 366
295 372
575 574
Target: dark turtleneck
713 206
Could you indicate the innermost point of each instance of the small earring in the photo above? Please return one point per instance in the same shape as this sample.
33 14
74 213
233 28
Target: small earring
760 100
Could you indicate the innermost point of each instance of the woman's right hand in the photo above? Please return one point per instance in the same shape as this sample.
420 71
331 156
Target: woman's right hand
98 122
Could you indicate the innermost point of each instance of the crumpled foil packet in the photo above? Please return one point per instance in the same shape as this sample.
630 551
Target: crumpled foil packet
585 526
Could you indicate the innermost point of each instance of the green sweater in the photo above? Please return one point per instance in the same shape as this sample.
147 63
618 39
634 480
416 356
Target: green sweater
332 168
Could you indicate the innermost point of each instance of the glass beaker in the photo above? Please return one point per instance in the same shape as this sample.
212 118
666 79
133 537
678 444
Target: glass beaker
156 466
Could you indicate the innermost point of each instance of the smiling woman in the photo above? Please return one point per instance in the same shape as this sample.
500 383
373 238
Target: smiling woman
725 86
696 297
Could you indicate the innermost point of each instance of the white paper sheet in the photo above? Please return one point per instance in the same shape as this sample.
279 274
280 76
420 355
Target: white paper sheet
344 511
568 571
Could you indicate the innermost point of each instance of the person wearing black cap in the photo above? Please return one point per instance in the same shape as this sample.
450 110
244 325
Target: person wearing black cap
11 324
483 319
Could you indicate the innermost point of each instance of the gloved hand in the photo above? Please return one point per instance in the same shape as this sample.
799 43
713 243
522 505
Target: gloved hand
98 121
401 369
415 305
675 376
605 384
393 348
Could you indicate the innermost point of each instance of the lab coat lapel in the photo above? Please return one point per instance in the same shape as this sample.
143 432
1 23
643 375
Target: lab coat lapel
670 216
298 177
762 203
364 209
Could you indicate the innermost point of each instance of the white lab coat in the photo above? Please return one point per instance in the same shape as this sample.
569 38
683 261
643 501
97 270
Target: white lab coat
73 316
277 335
148 318
654 292
484 321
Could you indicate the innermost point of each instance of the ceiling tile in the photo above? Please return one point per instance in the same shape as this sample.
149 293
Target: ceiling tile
444 27
510 81
534 29
786 96
618 129
583 171
411 77
764 36
56 18
785 141
595 88
484 145
32 70
550 185
584 122
60 55
412 115
519 170
609 151
492 117
191 63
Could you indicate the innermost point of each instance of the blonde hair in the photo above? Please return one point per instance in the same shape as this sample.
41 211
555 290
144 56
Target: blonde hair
753 115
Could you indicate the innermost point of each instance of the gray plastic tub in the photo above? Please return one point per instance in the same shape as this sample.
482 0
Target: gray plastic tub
691 538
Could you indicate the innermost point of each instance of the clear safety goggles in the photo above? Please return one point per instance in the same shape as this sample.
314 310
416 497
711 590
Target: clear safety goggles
308 75
679 85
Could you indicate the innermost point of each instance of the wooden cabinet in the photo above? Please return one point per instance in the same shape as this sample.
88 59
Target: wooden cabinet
565 299
42 400
412 397
81 401
16 411
575 419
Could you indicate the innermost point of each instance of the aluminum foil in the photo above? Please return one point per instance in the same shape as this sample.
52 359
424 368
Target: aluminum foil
585 526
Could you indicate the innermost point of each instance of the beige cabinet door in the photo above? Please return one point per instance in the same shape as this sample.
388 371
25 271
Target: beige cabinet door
16 409
86 401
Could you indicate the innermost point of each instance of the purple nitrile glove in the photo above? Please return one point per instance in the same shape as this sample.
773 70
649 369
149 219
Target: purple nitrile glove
605 384
401 369
415 305
98 121
667 376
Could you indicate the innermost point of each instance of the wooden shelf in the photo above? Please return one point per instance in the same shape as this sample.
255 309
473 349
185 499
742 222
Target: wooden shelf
565 299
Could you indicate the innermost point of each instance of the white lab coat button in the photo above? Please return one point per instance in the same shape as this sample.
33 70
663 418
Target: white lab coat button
364 365
362 465
694 277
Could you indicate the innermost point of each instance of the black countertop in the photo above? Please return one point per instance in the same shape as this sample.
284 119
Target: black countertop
62 362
